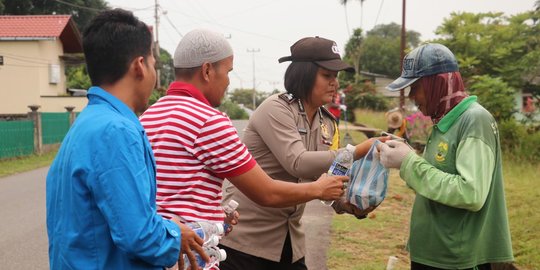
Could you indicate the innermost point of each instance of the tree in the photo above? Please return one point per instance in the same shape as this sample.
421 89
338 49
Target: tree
495 95
476 41
77 77
82 11
380 50
167 67
232 110
245 97
352 49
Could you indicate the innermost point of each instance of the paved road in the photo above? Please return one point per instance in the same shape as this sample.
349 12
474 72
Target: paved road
23 235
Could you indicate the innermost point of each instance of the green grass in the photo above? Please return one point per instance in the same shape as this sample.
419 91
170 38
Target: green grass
27 163
371 119
367 244
522 199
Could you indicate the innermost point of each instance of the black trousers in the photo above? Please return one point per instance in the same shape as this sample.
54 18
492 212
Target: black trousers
237 260
417 266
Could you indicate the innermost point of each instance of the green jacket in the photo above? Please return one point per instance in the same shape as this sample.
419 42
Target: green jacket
459 217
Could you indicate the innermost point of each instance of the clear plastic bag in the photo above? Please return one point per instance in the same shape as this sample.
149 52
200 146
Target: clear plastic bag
368 180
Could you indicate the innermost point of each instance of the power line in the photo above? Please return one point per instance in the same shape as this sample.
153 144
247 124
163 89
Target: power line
172 24
16 65
30 59
378 13
346 19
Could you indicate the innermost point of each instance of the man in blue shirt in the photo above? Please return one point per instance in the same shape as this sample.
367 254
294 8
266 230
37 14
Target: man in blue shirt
101 188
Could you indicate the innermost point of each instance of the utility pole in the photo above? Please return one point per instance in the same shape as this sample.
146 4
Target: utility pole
403 39
156 45
362 14
253 51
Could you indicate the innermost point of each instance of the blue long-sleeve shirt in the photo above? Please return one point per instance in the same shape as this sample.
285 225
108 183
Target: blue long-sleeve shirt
101 193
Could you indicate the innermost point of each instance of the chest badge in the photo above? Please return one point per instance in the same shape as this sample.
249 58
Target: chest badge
442 151
324 131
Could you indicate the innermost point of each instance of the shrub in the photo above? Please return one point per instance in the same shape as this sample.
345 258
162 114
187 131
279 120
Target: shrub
418 127
495 95
364 97
518 141
233 110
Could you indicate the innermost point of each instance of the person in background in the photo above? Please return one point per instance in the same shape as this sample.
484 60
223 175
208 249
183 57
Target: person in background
197 147
100 190
397 124
459 218
294 138
334 106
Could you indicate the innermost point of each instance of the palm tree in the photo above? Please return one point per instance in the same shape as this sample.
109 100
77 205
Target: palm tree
344 3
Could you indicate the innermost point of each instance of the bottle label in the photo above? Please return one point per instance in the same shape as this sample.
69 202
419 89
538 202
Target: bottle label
337 169
197 229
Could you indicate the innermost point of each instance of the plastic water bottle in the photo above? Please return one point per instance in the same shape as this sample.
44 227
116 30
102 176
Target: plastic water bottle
216 255
206 230
341 164
229 212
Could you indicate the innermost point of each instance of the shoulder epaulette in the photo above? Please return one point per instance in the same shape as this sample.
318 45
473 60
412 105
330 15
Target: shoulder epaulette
289 98
328 113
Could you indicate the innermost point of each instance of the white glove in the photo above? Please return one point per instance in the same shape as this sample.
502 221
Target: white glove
343 107
393 152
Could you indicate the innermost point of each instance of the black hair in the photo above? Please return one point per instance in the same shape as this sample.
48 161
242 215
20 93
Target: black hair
300 79
185 73
111 41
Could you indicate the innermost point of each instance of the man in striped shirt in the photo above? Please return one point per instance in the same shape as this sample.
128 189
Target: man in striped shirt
196 146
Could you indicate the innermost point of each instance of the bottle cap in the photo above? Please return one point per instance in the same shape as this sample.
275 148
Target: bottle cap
351 148
233 204
222 254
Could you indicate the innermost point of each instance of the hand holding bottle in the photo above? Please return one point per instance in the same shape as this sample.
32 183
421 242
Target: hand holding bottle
332 187
341 165
191 243
231 216
214 253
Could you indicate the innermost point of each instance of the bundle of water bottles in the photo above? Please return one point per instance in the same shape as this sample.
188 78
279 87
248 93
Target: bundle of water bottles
211 233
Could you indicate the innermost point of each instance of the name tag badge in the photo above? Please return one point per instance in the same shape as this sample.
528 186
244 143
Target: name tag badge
302 131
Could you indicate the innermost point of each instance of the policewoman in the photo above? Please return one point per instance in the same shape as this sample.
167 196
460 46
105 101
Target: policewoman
294 138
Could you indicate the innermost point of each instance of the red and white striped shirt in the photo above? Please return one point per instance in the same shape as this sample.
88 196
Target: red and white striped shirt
196 147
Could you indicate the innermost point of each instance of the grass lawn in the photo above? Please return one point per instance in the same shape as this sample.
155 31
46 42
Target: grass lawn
27 163
366 244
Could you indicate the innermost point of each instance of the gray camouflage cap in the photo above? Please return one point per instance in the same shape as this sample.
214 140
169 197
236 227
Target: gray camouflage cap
428 59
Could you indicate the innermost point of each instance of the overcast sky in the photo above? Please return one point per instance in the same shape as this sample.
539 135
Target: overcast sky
270 27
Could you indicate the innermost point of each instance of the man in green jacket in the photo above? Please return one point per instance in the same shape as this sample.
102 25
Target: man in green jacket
459 218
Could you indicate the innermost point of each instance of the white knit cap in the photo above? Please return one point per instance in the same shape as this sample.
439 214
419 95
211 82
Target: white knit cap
199 46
